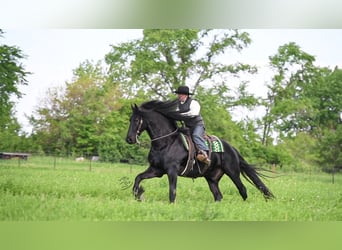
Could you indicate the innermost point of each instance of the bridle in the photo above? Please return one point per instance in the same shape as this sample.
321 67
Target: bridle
141 121
138 130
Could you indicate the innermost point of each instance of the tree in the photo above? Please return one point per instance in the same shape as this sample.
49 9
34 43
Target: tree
71 119
302 107
166 59
330 148
12 75
327 128
287 108
326 96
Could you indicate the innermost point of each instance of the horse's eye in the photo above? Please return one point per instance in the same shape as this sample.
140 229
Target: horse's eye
136 120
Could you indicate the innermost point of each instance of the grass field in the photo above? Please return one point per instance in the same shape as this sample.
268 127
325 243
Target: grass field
48 189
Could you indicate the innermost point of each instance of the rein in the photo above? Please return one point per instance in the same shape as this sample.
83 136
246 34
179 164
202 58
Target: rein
154 139
164 136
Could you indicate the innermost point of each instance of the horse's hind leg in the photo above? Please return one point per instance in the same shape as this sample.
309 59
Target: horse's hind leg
231 167
213 185
238 183
235 177
147 174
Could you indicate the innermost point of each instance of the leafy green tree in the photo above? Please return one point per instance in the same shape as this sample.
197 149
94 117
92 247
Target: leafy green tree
165 59
330 148
71 119
12 75
48 121
326 96
287 109
303 103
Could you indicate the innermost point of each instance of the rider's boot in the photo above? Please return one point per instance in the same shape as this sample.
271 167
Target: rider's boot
202 156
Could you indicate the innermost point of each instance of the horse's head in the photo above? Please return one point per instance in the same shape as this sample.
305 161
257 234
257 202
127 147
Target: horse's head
136 126
150 116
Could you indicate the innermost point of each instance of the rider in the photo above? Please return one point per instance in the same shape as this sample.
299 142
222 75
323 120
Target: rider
190 109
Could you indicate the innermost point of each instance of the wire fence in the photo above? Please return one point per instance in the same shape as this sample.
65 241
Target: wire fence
60 162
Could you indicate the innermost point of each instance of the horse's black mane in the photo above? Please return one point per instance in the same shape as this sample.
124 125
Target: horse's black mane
163 107
166 108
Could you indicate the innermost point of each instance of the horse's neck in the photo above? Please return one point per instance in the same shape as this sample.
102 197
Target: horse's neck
159 126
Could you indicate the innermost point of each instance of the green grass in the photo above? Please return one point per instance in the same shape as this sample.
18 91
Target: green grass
42 189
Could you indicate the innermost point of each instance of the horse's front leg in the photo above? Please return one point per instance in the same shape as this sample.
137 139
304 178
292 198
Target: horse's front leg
172 176
147 174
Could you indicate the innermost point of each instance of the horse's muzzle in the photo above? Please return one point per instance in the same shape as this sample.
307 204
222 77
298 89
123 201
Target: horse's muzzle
129 140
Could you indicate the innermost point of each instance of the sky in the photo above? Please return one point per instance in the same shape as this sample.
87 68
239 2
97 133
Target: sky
53 54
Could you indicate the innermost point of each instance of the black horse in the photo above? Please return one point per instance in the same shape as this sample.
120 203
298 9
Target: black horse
169 156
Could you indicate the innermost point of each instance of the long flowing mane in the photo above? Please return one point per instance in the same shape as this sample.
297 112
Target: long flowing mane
167 108
163 107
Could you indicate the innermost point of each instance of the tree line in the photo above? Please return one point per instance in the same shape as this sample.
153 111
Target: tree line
299 126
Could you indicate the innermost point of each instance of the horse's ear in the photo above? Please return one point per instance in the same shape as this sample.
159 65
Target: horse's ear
134 107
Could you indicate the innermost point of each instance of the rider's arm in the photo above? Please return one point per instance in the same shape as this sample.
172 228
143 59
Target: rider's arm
195 109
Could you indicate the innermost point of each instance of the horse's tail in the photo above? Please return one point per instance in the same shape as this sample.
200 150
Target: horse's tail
251 174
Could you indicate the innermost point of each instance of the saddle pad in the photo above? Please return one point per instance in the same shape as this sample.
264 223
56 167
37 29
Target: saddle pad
216 143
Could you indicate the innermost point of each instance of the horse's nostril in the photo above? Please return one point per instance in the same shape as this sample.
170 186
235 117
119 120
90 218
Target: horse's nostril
130 140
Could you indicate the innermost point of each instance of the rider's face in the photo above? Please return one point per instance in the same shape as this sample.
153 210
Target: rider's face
182 97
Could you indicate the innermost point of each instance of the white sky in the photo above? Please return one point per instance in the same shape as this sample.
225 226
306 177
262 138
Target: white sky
53 54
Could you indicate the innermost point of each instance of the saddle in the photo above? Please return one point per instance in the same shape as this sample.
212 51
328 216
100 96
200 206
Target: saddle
214 144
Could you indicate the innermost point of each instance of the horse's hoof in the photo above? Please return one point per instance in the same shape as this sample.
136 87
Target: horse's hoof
138 193
140 198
